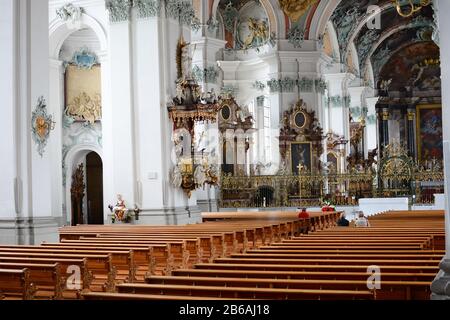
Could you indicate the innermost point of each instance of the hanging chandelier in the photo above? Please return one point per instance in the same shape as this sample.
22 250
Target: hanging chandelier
406 8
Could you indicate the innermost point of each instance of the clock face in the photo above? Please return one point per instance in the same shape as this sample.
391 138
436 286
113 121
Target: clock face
300 119
225 112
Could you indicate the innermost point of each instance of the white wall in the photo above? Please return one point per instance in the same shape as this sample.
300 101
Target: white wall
8 158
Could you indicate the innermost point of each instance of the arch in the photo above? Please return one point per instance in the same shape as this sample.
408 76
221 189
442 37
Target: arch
364 21
76 152
322 17
59 32
324 13
334 40
353 55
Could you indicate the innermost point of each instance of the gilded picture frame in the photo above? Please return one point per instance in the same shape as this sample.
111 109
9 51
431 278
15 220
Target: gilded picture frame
429 132
295 149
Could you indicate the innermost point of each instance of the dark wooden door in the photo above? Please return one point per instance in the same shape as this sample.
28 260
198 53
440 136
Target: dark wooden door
94 188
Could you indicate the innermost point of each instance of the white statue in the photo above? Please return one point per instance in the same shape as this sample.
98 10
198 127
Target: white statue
240 114
178 141
186 61
180 92
283 168
177 179
212 96
201 141
200 175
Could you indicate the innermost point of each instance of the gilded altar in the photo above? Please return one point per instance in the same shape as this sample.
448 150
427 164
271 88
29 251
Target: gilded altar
396 175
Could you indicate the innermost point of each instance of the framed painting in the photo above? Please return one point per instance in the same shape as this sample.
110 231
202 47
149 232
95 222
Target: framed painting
301 156
429 132
83 93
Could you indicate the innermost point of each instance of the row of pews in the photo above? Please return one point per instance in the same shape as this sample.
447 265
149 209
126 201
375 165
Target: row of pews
101 257
258 255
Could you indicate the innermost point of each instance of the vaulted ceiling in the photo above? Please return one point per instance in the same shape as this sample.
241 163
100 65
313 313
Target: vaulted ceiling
355 23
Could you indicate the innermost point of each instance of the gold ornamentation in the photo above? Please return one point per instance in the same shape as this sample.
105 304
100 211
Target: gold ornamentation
42 127
85 108
395 149
294 9
413 6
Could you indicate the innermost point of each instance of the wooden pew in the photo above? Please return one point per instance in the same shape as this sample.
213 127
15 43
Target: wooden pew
133 296
97 269
353 267
47 278
15 284
395 290
245 292
323 275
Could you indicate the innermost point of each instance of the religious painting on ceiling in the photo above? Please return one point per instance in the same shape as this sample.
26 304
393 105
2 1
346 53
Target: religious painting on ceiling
415 66
83 93
429 132
252 33
301 157
294 9
246 24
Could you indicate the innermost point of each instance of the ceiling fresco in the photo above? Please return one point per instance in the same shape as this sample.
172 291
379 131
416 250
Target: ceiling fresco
349 14
398 40
390 20
246 24
416 65
346 17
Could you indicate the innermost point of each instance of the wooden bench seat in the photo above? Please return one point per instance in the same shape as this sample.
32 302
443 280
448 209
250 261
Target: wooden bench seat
15 284
369 261
256 254
96 270
403 290
245 293
133 296
294 250
334 275
47 278
314 267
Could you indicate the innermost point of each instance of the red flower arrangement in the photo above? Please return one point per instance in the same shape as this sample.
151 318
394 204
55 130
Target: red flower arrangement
328 207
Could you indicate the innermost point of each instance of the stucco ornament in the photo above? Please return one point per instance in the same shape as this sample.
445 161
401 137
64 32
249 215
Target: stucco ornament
71 15
41 125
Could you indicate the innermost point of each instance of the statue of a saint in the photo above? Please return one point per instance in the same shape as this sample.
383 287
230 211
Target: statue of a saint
186 61
177 178
200 175
120 210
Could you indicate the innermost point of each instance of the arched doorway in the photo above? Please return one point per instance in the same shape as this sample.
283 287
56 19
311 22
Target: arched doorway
94 188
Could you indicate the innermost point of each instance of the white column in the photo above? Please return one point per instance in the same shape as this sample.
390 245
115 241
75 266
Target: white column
205 56
109 189
371 123
153 46
441 285
442 8
8 128
119 133
56 108
355 94
39 81
26 191
339 112
276 109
